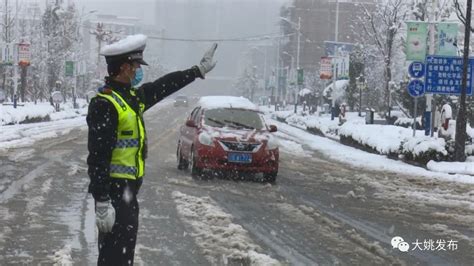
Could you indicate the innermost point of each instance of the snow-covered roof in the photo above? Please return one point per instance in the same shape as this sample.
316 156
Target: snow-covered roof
128 44
214 102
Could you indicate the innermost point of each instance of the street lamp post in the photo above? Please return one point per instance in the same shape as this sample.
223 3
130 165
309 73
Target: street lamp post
292 69
334 76
298 63
296 26
299 41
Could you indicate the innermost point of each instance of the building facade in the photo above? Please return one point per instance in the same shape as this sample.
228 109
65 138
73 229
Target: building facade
318 24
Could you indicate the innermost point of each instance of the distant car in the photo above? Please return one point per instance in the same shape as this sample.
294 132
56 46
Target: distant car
228 133
181 100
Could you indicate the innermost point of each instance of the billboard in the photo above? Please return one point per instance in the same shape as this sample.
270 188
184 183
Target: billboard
340 53
325 71
6 53
417 33
69 69
24 54
447 39
337 48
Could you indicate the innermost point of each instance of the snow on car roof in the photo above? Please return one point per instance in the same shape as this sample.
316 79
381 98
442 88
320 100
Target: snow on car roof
214 102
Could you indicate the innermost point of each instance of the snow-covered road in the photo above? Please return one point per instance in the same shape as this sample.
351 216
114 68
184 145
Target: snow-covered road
328 206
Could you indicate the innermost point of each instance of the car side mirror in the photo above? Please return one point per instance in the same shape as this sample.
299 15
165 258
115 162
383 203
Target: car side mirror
191 123
273 128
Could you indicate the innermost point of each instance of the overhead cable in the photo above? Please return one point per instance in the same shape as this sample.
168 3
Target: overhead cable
237 39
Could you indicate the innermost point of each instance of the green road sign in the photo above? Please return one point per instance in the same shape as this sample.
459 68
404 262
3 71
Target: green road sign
69 69
300 76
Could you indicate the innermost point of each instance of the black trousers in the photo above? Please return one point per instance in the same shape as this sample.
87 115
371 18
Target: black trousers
118 246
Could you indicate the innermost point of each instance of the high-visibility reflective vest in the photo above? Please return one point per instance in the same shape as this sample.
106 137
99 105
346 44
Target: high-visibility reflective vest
127 156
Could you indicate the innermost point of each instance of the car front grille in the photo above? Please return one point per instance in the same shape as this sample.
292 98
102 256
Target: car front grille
240 146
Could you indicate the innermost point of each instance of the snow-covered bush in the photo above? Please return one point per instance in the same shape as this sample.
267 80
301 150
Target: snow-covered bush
383 139
322 126
40 112
408 122
281 116
296 120
395 141
424 149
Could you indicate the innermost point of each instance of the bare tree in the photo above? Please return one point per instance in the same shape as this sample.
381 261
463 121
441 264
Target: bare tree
460 13
59 26
7 24
461 120
381 27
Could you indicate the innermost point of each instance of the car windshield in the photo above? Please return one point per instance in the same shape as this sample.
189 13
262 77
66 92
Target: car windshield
237 118
181 98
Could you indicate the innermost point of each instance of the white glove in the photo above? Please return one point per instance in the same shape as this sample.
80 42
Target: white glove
207 64
104 216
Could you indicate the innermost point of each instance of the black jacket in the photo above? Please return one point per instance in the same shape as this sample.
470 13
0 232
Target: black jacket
102 119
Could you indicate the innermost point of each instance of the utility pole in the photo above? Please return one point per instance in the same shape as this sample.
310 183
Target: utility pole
15 59
265 71
278 73
460 138
334 75
298 63
431 51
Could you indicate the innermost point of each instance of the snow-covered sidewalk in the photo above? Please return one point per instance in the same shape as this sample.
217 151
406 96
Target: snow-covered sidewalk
294 138
15 133
42 111
381 139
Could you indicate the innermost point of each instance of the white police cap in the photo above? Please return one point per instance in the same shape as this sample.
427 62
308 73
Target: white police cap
128 49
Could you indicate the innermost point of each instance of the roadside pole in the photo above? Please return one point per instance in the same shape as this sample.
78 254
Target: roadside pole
460 137
414 116
334 76
416 87
15 60
431 51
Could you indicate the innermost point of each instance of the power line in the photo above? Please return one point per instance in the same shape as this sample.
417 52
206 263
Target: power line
236 39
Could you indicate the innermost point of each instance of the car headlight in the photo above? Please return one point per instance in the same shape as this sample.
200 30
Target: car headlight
205 139
272 143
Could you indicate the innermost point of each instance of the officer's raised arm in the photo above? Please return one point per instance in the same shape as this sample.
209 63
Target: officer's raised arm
157 90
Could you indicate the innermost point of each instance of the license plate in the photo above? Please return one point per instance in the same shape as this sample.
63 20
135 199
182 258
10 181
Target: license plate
239 157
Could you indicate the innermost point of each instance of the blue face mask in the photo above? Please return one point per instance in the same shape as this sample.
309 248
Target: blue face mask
138 77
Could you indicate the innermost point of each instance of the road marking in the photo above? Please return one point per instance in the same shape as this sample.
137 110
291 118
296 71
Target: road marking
13 189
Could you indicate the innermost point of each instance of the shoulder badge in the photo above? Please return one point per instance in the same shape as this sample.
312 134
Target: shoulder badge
105 90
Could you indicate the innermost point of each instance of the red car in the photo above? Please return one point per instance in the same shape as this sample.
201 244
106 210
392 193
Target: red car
228 133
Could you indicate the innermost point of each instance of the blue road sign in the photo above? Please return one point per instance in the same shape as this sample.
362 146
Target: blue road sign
416 69
444 75
416 88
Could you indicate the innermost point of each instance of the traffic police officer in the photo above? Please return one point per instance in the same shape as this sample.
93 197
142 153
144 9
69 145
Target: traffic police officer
118 144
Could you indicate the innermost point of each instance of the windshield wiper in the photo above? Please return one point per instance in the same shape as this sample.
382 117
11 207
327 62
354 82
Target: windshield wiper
239 124
216 121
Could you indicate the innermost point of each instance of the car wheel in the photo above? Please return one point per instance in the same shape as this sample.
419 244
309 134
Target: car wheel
270 177
195 171
182 163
